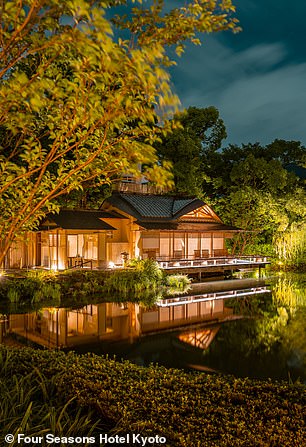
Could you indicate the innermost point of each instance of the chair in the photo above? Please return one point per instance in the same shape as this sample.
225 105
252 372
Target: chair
151 254
219 252
205 253
178 254
197 254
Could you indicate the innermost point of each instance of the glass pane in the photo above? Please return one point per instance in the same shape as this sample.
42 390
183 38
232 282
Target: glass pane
81 247
90 246
72 242
152 242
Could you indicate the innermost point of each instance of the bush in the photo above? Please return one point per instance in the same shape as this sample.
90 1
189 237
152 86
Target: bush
30 404
178 283
47 292
140 275
189 409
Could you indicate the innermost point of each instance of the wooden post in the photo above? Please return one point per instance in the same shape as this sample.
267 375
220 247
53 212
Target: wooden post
57 239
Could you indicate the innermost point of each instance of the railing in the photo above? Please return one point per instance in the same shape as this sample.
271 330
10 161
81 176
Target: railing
79 263
178 301
138 188
216 261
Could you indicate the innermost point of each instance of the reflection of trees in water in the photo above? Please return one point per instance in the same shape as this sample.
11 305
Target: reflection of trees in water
294 339
251 305
289 293
276 329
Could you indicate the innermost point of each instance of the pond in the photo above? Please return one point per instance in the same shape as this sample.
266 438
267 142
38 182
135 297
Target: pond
254 328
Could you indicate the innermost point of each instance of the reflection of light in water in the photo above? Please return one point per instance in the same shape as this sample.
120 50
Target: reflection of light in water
200 338
52 310
287 293
211 296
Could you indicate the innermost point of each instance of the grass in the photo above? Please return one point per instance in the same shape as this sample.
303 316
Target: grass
30 404
189 409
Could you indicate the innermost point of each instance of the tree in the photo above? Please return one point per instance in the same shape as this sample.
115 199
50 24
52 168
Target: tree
260 196
280 153
77 102
201 131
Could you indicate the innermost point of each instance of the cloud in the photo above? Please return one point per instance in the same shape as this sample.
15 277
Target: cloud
259 95
267 106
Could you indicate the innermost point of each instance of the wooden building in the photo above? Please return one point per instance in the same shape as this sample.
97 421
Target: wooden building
166 227
128 225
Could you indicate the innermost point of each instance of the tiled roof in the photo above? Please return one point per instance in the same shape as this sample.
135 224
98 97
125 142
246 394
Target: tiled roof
150 207
79 220
179 204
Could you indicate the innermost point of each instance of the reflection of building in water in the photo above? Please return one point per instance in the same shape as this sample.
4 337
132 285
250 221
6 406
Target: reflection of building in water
52 327
180 315
199 338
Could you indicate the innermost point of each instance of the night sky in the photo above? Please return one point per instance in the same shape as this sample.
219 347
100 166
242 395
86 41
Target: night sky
256 78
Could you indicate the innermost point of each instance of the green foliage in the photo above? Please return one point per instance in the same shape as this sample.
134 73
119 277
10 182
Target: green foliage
177 283
290 245
273 320
79 98
30 290
42 275
13 295
189 409
250 187
48 292
82 283
142 275
253 190
289 293
142 281
145 282
30 404
221 164
199 131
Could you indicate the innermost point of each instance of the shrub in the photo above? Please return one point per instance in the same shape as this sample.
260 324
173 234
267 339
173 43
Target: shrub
47 292
178 283
189 409
30 404
141 275
13 295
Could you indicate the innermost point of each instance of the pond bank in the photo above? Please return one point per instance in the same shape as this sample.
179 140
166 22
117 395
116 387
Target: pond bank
142 282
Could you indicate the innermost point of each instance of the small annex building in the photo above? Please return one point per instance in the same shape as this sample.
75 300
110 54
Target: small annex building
128 225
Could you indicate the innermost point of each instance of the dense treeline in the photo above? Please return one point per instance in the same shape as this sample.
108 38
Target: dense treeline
261 189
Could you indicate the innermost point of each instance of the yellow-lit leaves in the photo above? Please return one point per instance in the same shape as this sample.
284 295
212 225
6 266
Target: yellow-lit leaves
188 409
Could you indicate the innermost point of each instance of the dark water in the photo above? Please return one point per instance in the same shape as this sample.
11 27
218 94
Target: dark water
257 331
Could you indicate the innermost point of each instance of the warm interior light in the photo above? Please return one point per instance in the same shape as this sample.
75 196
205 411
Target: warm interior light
111 265
55 266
